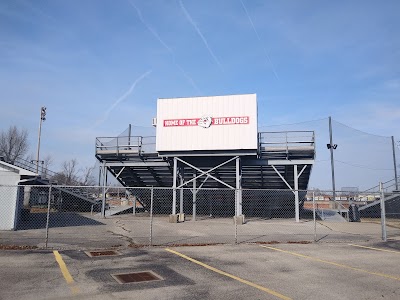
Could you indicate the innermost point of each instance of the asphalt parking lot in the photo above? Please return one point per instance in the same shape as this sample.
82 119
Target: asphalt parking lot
246 271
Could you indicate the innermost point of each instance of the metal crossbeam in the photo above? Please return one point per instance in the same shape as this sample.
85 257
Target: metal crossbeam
207 172
301 172
283 179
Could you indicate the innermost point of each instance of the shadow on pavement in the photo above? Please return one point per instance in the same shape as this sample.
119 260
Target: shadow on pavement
64 219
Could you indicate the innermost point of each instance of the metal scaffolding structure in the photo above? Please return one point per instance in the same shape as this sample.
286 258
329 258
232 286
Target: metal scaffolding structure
283 160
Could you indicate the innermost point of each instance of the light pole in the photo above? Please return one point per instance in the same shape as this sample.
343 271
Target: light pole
395 165
42 118
331 146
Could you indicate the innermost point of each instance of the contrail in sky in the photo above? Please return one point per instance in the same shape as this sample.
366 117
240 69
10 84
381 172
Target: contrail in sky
189 79
157 36
149 28
200 34
259 39
120 99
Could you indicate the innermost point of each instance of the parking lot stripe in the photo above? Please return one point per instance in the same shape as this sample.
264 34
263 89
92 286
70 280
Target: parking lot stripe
261 288
333 263
64 270
377 249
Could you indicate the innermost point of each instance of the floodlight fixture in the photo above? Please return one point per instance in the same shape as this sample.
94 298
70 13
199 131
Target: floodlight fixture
329 146
43 113
42 118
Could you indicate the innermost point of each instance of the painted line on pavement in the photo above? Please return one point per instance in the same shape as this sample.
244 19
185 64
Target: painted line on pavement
373 248
67 275
261 288
333 263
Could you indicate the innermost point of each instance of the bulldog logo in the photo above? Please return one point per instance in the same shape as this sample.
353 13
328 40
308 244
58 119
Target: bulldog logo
205 122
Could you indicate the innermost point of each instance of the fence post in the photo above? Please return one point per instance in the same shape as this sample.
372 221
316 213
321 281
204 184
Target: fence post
383 212
235 217
314 217
103 202
48 217
134 205
151 216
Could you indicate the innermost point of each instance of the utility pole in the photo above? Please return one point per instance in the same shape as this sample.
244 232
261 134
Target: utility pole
42 118
395 165
331 147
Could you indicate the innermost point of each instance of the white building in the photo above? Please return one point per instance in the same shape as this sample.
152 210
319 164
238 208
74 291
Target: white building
11 194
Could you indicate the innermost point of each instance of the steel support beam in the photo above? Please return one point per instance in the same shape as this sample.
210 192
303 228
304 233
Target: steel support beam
160 163
194 197
202 173
238 193
120 172
296 194
174 186
181 177
302 170
283 179
103 203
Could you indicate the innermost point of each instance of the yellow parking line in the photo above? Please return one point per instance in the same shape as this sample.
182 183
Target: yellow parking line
377 249
333 263
261 288
64 270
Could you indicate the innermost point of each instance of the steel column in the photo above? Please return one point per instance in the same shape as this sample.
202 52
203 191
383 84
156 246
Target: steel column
103 203
181 177
174 187
296 194
238 188
194 197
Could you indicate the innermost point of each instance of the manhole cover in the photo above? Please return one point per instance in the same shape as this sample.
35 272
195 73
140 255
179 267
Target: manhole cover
136 277
102 253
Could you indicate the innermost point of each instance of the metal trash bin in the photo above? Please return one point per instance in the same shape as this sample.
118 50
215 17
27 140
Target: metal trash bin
354 213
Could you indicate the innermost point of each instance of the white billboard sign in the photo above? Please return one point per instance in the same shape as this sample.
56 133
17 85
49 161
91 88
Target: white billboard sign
207 123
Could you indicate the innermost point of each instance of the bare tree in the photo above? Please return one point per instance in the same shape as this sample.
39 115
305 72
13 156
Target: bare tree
68 174
87 176
47 162
70 169
13 143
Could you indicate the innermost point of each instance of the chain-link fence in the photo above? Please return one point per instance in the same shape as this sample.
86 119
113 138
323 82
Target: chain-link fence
103 217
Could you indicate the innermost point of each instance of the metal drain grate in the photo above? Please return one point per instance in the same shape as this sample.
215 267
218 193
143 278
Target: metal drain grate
102 253
136 277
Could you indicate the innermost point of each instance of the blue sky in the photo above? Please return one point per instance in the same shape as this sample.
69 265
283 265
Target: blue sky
99 65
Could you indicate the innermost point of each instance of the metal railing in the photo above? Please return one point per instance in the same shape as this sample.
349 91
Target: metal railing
388 186
125 145
285 141
30 166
